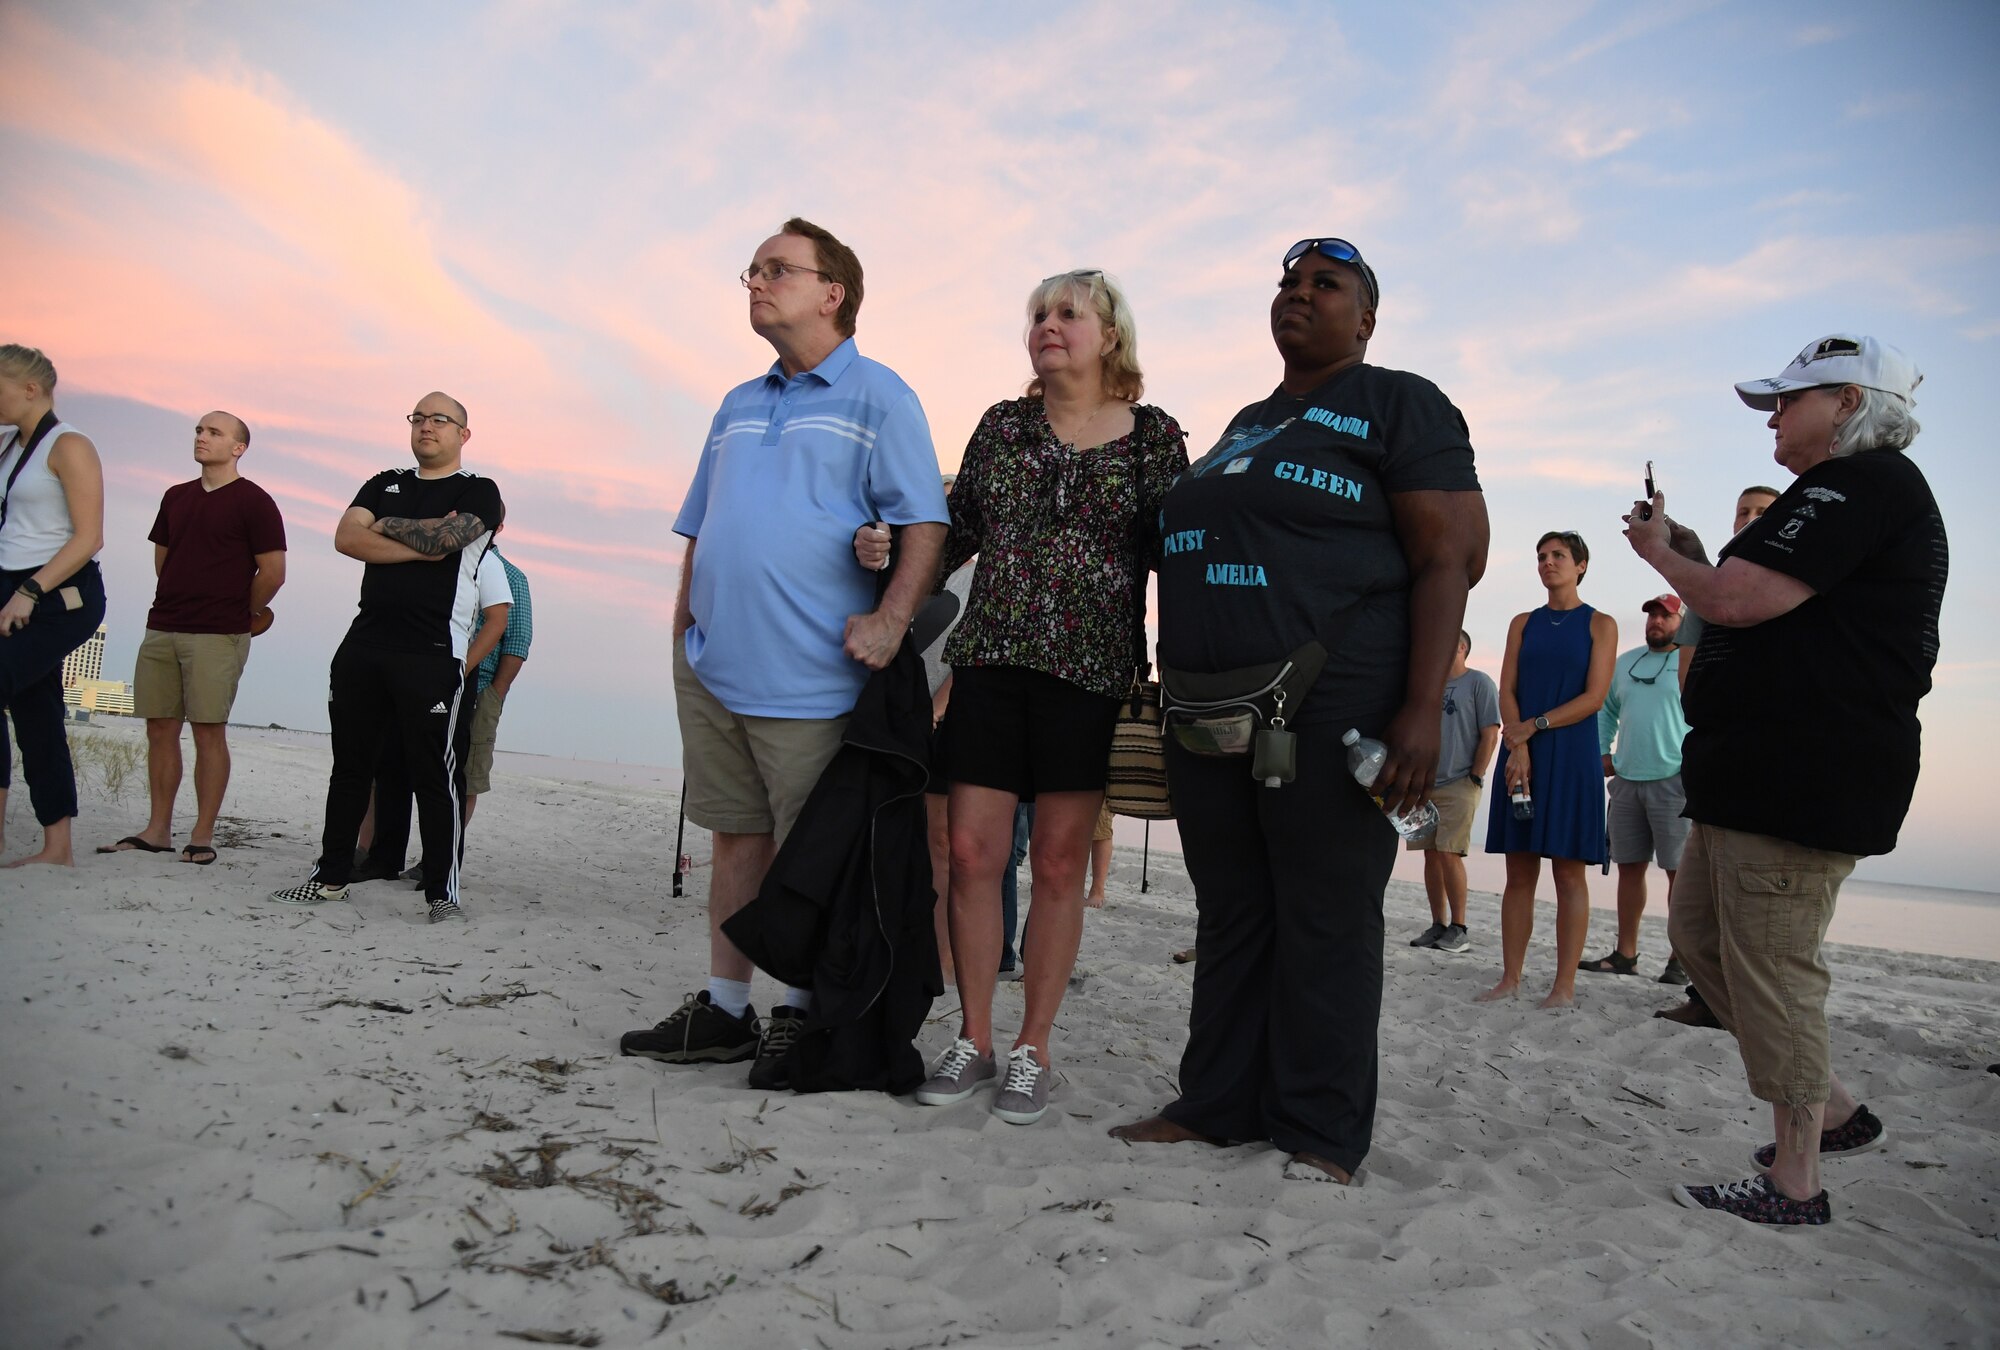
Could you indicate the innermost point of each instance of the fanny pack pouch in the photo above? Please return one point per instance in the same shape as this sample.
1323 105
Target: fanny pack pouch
1220 714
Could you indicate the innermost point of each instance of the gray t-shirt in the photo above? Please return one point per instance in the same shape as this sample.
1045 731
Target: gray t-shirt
1471 704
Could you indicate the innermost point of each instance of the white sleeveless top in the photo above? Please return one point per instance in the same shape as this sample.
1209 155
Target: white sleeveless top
38 523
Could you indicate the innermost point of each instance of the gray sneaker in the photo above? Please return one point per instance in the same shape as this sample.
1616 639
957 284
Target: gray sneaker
1025 1094
1429 937
308 893
957 1075
445 911
1454 940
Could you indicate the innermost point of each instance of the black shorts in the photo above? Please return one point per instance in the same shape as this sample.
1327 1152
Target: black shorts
1023 731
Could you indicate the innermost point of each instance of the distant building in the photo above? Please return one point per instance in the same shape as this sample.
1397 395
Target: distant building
105 696
85 663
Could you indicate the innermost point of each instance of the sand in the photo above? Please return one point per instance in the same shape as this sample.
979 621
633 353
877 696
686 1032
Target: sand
231 1124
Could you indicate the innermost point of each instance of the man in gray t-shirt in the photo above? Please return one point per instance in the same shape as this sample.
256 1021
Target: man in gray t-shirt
1468 736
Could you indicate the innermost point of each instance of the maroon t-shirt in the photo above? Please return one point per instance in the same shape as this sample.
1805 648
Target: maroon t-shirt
212 541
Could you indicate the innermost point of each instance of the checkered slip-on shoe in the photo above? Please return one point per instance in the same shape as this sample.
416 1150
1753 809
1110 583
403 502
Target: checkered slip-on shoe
307 893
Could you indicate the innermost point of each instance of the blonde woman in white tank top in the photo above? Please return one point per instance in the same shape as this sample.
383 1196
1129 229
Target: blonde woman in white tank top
51 527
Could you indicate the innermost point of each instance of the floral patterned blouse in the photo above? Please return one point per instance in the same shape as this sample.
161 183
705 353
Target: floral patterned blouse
1063 540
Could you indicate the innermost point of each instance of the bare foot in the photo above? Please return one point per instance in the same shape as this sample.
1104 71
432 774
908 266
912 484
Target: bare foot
1185 956
1160 1130
54 857
1504 989
1093 902
1556 999
1312 1167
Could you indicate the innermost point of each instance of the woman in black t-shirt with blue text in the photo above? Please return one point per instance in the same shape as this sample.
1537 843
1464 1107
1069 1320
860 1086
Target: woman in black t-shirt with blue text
1344 507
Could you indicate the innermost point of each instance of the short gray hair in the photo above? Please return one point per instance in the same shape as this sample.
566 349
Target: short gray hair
1882 422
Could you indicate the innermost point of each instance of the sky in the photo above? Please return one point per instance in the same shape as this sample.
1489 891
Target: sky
1588 221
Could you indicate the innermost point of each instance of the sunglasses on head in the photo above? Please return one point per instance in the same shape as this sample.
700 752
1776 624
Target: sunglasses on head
1340 251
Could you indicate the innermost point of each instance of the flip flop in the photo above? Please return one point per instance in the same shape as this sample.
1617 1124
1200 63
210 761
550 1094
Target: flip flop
132 843
192 854
1184 956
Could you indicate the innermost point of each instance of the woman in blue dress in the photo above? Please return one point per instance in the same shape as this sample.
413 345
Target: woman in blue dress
1557 672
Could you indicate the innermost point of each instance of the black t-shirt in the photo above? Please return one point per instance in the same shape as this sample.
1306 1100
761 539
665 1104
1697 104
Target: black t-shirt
425 606
1286 522
1804 727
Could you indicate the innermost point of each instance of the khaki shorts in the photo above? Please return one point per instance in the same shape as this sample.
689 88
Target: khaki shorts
1457 803
1645 821
1102 830
1748 915
485 731
746 775
188 676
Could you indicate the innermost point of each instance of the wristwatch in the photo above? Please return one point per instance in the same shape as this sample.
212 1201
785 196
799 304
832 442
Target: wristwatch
1541 724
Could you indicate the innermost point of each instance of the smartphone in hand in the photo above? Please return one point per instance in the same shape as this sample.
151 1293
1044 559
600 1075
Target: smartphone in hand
1646 511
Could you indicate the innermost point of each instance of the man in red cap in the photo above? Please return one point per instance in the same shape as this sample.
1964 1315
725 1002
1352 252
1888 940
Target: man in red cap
1641 716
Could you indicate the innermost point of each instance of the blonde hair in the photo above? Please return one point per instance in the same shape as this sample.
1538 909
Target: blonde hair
1122 376
28 363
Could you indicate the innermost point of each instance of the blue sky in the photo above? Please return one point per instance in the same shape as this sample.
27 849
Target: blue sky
1588 220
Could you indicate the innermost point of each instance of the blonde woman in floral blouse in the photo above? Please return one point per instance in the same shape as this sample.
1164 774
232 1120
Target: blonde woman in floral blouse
1059 497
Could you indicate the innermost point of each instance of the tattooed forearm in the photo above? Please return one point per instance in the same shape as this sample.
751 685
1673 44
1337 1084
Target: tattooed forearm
433 538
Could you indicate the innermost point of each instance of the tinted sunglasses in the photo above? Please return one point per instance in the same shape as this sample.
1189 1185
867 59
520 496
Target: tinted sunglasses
1666 659
1340 251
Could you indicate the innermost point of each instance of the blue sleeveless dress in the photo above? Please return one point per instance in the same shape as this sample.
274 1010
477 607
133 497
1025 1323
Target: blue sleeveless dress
1567 781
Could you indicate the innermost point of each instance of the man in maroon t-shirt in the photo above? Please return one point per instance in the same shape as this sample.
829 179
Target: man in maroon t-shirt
219 553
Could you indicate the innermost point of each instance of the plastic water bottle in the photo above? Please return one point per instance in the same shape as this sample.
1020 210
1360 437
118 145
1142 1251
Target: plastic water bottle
1524 805
1365 758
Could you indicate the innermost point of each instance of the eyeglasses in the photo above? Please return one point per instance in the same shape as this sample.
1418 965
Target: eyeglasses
777 270
1791 396
1632 671
433 419
1081 274
1340 251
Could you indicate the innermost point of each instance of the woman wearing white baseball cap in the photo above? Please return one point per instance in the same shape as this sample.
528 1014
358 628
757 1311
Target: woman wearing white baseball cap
1802 748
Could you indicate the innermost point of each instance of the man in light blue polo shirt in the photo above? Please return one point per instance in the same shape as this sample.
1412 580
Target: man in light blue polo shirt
1642 716
775 628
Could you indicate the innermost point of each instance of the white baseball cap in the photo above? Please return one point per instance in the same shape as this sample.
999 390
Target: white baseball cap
1843 358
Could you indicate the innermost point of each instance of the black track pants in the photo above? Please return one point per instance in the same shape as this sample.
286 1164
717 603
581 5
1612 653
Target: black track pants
417 698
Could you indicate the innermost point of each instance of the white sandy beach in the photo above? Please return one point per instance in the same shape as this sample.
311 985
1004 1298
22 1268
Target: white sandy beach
232 1124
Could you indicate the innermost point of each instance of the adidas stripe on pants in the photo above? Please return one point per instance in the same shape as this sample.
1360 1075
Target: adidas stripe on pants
418 698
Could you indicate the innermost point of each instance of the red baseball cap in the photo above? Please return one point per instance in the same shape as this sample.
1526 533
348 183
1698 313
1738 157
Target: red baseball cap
1666 604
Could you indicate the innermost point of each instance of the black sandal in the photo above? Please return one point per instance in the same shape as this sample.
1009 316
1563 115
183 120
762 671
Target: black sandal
1614 964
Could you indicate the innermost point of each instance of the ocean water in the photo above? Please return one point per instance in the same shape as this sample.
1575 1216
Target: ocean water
1870 913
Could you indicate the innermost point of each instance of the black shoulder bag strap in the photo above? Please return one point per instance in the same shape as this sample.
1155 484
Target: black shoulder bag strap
28 446
1141 666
